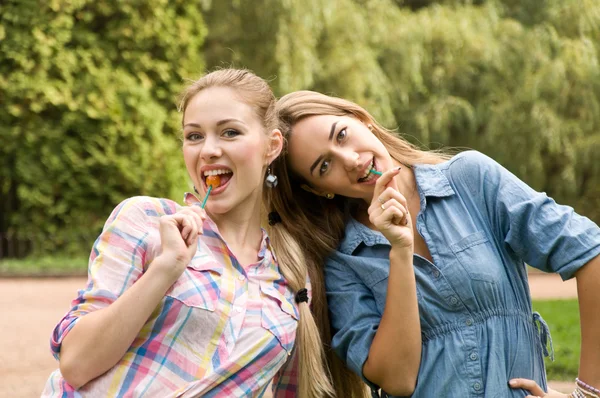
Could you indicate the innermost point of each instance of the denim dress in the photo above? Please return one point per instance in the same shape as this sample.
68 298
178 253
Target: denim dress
481 225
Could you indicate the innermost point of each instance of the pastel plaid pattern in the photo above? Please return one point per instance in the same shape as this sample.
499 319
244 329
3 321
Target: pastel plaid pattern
221 329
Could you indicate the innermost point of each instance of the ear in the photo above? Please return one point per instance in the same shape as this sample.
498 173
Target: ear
307 188
274 147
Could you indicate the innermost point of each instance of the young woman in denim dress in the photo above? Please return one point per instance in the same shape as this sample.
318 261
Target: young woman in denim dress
424 257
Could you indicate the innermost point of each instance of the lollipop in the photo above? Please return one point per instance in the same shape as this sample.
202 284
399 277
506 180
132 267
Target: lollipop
211 181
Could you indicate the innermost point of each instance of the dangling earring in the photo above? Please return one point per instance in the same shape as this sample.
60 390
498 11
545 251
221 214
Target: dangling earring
370 126
271 180
195 190
329 195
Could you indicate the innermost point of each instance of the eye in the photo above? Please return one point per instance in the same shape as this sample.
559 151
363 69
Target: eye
230 133
342 135
324 167
194 137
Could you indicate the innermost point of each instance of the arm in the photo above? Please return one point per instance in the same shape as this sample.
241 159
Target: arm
395 354
550 237
357 323
120 296
101 338
588 290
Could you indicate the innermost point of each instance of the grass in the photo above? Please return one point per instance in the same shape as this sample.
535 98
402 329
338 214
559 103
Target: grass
562 317
44 266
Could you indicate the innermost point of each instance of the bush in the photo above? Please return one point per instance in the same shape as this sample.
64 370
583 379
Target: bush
87 111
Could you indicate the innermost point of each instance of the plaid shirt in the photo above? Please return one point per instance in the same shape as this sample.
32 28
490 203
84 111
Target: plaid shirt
220 330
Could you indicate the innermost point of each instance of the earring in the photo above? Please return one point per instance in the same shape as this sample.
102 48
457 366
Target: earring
370 126
329 195
271 180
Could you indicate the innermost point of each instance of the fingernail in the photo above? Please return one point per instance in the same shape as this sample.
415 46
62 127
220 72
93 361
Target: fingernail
512 382
399 168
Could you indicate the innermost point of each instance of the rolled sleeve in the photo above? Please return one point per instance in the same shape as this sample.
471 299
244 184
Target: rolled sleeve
353 314
116 262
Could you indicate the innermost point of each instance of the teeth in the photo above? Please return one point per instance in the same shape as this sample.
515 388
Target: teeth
216 172
368 171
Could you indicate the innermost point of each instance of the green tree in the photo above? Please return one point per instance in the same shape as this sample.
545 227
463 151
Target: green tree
518 80
87 111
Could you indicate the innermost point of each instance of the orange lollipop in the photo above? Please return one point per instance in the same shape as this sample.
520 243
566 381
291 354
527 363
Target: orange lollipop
213 181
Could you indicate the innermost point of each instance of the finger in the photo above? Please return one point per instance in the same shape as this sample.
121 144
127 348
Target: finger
527 384
386 179
187 225
190 199
195 216
193 230
391 193
390 215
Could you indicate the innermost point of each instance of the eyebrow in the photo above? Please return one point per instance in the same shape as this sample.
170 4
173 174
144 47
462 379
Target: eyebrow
316 162
219 123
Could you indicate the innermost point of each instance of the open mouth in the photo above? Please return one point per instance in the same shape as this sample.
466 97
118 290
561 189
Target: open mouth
217 177
368 174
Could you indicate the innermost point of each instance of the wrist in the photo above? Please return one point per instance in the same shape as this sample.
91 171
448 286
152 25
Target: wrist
166 268
402 254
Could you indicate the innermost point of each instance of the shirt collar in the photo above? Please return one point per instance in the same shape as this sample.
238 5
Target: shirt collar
431 182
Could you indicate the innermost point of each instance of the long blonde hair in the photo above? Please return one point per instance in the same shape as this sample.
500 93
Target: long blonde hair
316 223
313 375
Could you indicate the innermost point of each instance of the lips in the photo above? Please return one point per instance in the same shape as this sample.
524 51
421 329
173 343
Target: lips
223 173
366 174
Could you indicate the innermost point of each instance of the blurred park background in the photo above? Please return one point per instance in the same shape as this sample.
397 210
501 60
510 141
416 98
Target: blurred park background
88 97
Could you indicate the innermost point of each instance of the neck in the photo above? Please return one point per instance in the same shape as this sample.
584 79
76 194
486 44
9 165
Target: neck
240 228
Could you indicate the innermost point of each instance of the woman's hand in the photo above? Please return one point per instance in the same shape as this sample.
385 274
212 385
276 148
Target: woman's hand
179 239
388 211
534 389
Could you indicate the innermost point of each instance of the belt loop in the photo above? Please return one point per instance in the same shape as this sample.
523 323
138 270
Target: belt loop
544 334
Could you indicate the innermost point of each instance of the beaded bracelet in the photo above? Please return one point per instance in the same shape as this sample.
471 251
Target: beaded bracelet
587 387
581 393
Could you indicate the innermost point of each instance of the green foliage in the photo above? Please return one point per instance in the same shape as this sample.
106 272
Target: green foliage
518 80
562 317
87 115
87 89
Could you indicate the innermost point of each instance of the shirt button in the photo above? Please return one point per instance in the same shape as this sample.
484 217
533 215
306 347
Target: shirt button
436 273
477 386
241 277
238 309
453 300
469 322
473 356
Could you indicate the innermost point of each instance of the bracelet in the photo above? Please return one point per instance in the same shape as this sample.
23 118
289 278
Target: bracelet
581 393
587 387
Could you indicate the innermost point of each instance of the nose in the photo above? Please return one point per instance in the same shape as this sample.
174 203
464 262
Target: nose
350 160
211 148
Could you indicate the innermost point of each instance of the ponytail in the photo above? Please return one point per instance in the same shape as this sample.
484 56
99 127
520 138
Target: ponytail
313 375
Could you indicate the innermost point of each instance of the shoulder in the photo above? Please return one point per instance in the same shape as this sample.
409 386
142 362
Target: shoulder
470 162
142 208
470 169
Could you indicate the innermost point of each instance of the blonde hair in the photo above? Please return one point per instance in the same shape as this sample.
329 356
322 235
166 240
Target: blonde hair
313 375
318 223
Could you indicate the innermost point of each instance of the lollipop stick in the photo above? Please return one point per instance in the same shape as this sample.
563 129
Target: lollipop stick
206 197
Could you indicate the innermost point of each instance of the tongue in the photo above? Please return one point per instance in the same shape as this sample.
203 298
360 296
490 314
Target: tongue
225 178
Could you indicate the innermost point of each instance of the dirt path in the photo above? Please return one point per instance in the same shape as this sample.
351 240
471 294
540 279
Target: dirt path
31 308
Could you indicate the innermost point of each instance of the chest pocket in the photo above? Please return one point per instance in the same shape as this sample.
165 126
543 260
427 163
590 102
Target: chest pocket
478 258
279 315
199 285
